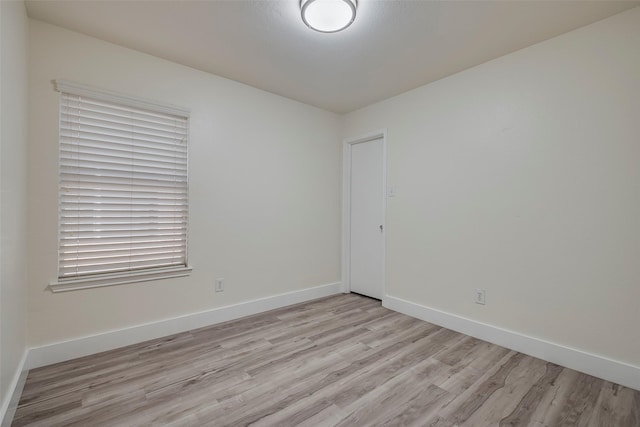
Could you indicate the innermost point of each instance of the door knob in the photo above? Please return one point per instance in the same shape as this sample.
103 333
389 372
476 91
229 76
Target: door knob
381 228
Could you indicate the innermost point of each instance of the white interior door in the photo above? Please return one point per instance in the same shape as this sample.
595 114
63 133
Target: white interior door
366 219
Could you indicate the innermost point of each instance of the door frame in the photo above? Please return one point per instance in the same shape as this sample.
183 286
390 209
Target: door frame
346 206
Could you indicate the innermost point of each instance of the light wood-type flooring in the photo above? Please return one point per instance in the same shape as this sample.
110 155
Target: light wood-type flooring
337 361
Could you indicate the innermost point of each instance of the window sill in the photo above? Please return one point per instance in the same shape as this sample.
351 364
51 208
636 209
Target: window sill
98 281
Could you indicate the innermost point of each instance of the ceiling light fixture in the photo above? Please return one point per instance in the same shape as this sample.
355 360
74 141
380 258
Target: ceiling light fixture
328 16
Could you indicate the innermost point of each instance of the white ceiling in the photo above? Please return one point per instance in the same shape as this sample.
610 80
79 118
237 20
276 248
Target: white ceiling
392 47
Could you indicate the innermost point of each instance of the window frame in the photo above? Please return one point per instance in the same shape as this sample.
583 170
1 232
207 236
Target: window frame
133 276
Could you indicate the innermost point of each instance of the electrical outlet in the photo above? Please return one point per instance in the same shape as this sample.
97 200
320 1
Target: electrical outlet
220 284
480 296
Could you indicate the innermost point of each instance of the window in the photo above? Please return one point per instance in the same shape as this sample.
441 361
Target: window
123 190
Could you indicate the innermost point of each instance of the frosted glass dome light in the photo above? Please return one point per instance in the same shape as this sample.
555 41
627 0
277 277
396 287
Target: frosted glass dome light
328 16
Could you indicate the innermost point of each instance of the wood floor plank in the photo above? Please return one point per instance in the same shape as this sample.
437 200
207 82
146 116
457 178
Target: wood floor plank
396 400
553 400
505 399
523 412
343 360
580 403
483 390
612 399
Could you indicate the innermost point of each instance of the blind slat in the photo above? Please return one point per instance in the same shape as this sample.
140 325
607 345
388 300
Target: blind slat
131 168
106 107
96 171
78 142
136 243
115 151
113 186
133 132
110 268
104 141
71 237
73 115
94 258
82 272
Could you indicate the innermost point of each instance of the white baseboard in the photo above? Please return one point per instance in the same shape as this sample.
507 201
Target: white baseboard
84 346
10 403
592 364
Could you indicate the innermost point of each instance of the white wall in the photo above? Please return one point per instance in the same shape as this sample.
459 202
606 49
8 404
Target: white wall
264 189
522 176
13 146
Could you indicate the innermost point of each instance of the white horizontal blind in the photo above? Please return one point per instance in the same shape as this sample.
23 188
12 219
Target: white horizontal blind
123 188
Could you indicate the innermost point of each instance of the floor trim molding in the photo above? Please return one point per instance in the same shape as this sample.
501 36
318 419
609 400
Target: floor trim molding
10 403
592 364
84 346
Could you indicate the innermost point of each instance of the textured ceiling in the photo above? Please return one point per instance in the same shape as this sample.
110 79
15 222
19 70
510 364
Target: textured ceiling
392 47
